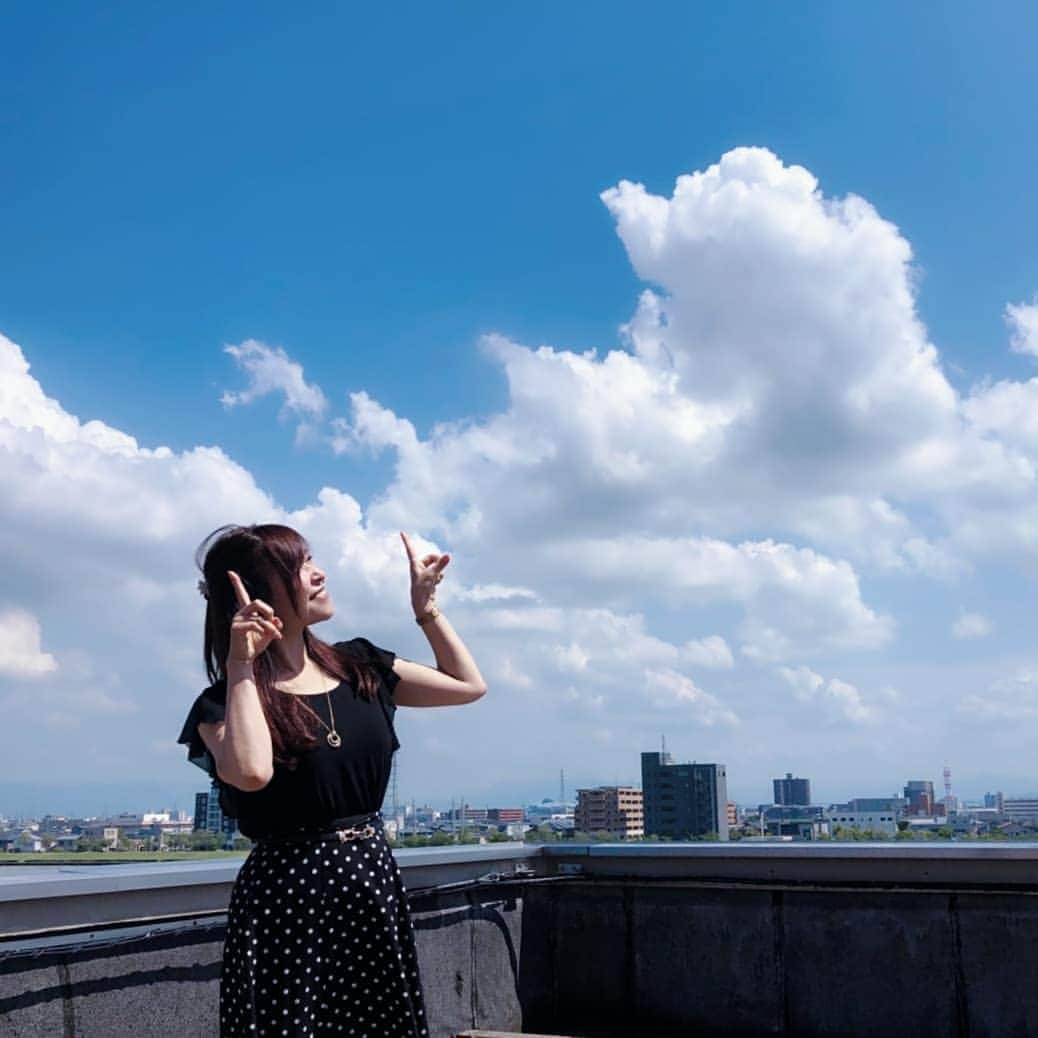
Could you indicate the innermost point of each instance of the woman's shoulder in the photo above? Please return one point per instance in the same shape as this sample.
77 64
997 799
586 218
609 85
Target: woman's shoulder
208 708
366 651
209 704
357 646
217 692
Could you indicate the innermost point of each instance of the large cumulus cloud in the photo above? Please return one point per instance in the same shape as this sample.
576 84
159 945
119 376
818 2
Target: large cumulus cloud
682 533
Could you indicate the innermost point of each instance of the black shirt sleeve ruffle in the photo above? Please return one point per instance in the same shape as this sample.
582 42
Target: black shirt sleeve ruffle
380 659
208 708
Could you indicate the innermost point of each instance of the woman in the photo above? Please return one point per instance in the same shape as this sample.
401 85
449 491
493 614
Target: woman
298 735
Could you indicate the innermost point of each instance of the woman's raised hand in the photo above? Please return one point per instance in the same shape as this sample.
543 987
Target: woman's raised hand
253 627
426 573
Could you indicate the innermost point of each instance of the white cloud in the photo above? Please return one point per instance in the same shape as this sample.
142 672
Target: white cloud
503 669
1006 410
669 690
796 309
838 699
794 599
1022 319
494 593
583 701
711 651
773 457
1012 698
571 658
971 625
271 370
21 654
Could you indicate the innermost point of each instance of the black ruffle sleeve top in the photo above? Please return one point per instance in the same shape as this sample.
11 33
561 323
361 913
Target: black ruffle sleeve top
327 783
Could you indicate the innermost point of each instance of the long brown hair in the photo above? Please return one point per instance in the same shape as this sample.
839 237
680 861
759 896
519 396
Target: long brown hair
265 556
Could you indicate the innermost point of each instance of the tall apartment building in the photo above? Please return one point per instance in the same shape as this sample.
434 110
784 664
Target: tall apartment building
684 800
616 810
792 792
201 811
919 794
208 815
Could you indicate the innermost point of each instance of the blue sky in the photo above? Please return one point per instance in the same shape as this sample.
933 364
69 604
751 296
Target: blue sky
374 192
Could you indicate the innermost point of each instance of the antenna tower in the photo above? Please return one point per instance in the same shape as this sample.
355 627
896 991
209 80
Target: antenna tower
562 785
396 803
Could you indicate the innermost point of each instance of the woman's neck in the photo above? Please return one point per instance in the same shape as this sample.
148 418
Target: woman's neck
292 657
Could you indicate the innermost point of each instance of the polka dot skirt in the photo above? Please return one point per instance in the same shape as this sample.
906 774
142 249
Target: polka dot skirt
320 942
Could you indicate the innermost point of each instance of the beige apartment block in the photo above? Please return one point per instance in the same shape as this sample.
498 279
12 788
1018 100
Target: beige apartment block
617 810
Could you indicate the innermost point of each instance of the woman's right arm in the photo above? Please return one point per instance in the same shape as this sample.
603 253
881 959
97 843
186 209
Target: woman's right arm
241 744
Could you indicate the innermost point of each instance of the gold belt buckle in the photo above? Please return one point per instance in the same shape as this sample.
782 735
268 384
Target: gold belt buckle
356 834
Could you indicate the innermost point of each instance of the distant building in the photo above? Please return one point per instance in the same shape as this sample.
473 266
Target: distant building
503 815
201 811
994 800
796 821
208 815
684 800
617 810
883 820
1020 810
549 810
733 814
877 805
919 794
54 824
21 840
792 791
29 841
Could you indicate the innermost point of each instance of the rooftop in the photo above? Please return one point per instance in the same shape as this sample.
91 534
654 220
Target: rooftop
596 940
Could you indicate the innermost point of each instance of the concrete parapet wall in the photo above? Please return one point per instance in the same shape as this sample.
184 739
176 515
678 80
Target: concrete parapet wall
630 948
164 984
161 985
631 958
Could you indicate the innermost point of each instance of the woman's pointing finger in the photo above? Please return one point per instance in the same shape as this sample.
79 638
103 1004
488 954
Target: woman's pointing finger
239 589
407 546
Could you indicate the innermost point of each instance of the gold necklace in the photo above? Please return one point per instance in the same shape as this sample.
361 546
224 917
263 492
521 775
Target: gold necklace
333 737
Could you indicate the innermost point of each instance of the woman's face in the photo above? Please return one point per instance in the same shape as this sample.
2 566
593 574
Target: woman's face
316 603
313 603
311 580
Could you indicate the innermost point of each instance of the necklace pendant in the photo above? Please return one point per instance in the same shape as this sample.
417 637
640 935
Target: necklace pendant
334 740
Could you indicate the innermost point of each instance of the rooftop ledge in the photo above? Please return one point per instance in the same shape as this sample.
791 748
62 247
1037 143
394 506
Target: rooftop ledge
23 882
36 900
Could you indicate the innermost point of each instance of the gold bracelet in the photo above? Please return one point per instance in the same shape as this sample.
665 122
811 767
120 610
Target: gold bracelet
431 615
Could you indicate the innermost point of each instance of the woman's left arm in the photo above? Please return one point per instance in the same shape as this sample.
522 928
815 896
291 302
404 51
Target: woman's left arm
456 678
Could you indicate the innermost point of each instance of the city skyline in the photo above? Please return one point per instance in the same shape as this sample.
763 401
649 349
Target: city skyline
875 789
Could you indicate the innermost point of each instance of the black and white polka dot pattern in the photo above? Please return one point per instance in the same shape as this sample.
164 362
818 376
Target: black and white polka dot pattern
320 942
